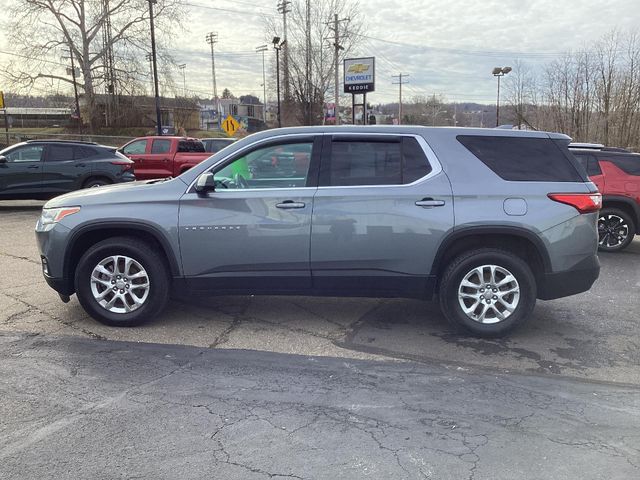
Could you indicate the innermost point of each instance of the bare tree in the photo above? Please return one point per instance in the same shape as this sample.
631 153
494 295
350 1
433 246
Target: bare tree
310 91
108 39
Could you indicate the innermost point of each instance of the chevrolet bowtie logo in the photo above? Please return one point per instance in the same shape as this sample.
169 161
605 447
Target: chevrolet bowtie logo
358 68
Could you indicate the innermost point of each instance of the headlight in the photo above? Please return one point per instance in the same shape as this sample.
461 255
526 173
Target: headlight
51 216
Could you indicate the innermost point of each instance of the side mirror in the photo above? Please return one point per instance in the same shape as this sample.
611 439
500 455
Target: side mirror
3 159
205 183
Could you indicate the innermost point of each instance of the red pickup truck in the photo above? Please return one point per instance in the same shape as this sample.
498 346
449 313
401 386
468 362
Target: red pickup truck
160 157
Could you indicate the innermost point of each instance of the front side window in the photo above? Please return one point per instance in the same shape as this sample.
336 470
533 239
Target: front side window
139 147
275 166
29 153
161 146
393 161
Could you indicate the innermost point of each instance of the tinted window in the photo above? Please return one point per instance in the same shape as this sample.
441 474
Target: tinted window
29 153
161 146
80 153
59 153
275 166
383 161
524 159
363 163
589 163
136 148
629 164
190 146
415 164
215 146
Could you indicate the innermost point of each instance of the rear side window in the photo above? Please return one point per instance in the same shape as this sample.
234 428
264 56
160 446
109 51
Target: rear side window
393 161
523 159
161 146
630 164
589 163
190 146
81 153
59 153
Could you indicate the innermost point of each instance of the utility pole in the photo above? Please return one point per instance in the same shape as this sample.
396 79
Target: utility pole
183 67
155 67
150 60
336 56
308 63
400 82
277 45
284 8
262 49
212 39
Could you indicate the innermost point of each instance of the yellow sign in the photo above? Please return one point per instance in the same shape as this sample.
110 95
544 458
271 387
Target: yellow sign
1 100
230 125
358 68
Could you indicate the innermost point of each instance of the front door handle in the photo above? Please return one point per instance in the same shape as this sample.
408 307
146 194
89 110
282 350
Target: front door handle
429 203
287 204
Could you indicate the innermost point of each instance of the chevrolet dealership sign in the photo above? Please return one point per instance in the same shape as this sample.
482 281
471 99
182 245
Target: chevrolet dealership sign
359 75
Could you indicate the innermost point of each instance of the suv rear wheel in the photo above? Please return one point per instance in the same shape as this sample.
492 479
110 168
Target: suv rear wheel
616 230
96 182
122 282
487 291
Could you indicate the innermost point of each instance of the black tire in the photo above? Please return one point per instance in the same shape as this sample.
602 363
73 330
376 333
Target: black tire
153 263
462 265
96 182
616 229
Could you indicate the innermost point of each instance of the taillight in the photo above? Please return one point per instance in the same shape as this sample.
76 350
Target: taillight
124 165
583 202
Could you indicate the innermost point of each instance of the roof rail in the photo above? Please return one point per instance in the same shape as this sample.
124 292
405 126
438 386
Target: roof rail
592 146
55 140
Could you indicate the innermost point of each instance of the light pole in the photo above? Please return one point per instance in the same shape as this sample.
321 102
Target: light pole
499 72
262 49
277 45
184 79
155 67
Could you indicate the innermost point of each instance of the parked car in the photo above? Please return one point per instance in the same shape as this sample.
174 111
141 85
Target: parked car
486 221
161 157
616 172
214 145
42 169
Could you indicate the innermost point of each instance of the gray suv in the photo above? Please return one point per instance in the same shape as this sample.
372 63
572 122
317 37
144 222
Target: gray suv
486 221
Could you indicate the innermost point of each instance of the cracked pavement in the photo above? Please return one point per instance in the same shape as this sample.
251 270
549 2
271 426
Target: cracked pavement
75 407
299 387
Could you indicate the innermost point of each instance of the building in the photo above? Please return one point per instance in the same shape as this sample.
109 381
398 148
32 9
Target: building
249 115
38 117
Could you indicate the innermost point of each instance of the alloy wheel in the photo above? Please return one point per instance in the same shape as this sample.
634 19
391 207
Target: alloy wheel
489 294
613 230
120 284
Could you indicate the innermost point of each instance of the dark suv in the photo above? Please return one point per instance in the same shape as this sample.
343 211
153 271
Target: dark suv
616 172
41 169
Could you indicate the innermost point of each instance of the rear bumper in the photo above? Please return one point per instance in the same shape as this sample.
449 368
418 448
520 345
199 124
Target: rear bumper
576 280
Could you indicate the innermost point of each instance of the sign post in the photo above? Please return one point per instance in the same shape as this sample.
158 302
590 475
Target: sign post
359 79
6 120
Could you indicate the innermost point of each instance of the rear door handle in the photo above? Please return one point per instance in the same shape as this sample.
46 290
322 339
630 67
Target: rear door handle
287 204
429 203
33 166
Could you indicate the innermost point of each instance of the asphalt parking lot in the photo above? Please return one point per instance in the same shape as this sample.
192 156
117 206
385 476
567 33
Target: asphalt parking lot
593 336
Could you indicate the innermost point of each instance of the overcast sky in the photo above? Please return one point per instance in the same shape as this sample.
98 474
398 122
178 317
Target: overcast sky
448 47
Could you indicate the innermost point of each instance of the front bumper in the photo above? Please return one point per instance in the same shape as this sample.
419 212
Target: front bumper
576 280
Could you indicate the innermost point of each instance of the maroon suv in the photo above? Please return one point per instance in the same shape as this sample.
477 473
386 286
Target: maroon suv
616 172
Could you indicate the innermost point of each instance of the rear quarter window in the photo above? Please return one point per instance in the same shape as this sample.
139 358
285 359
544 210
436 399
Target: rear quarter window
629 164
523 159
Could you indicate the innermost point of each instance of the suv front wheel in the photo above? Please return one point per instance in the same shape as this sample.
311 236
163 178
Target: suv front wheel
487 291
616 230
122 282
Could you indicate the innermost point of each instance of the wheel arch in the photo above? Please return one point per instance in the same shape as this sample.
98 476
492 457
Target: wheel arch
517 240
626 204
89 235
